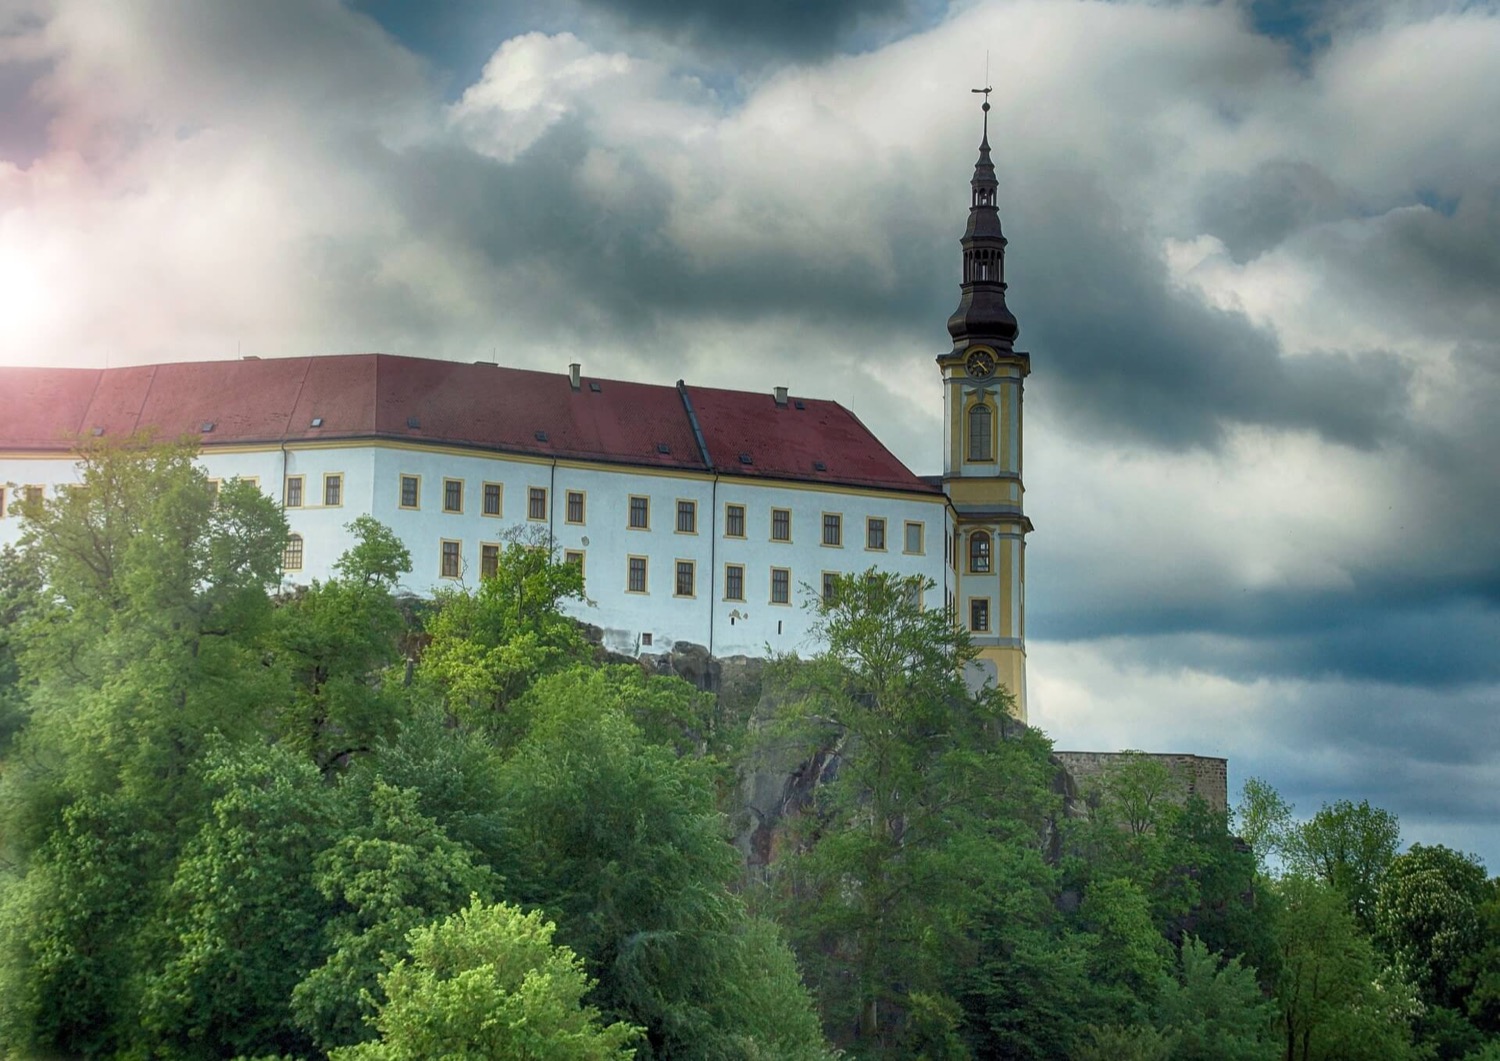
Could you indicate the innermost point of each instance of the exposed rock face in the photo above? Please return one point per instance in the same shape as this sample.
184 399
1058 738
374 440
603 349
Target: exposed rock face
778 777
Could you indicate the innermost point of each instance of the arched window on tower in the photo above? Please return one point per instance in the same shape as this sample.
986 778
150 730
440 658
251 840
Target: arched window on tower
979 553
981 433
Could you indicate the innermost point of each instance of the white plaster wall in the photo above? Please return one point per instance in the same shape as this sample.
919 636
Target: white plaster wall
372 484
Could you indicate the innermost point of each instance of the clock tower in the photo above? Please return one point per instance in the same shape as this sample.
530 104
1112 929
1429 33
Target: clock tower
982 379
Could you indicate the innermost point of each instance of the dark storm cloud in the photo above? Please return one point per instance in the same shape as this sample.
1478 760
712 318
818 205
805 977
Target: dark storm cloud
1435 272
1445 639
23 119
799 28
1129 355
1253 212
617 272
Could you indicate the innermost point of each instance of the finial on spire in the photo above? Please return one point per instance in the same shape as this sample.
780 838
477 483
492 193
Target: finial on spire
986 108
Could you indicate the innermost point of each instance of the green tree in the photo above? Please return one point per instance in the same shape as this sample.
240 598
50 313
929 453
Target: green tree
1334 1001
241 922
148 640
488 982
1427 917
20 599
70 933
1349 847
1264 819
619 840
337 641
489 644
1215 1009
907 839
381 879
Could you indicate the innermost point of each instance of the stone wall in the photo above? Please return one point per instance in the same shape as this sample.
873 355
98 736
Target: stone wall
1201 775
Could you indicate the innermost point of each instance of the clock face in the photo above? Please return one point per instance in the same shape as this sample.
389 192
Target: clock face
980 364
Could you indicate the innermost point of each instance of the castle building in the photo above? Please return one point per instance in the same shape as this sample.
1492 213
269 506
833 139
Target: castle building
697 514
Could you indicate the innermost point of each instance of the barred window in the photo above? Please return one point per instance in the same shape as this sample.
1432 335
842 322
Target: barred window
781 524
291 556
829 581
979 616
575 506
734 582
536 503
833 528
333 490
489 561
875 533
451 562
734 521
640 513
635 581
685 578
293 492
453 495
781 585
410 494
492 499
687 517
979 552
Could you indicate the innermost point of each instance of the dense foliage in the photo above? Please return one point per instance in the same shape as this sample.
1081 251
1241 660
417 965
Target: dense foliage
340 823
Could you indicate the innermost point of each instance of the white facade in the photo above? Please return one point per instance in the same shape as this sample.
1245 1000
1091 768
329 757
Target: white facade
453 485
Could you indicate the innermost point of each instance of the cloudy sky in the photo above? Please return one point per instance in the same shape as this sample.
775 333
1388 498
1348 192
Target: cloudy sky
1255 252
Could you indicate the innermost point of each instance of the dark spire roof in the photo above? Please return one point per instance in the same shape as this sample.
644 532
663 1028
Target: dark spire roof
982 316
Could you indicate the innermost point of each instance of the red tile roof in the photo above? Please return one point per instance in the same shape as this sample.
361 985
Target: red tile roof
484 406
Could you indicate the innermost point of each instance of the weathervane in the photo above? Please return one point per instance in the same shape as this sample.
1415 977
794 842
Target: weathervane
986 108
988 88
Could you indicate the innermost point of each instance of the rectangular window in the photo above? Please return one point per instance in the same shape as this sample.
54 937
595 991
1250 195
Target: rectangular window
411 491
828 586
833 529
489 559
781 524
687 517
875 533
574 556
635 580
536 503
781 585
492 499
979 616
293 493
452 562
685 578
640 513
575 506
914 543
734 582
333 490
734 521
214 486
453 495
34 494
291 556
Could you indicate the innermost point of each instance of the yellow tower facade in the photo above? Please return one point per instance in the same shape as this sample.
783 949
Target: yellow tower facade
983 378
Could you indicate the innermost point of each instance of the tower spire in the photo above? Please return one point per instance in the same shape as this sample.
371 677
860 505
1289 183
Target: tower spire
982 315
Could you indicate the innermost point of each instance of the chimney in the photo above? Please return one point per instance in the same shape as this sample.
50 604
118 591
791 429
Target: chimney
781 397
575 375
